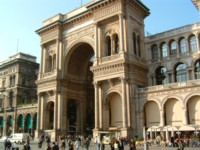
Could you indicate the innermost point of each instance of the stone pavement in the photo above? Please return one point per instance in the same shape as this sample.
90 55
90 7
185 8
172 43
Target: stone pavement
34 146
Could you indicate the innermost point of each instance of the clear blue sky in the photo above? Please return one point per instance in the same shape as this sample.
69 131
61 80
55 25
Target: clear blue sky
19 19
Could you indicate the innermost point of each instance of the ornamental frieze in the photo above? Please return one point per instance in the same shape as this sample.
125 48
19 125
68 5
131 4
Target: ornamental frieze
107 12
79 34
49 36
112 69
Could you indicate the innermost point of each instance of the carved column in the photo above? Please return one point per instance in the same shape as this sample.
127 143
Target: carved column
187 46
39 112
57 53
42 113
59 110
121 29
159 54
60 54
96 40
197 41
100 107
123 81
96 88
128 104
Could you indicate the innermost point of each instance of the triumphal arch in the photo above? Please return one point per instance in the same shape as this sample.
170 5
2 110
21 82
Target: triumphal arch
92 62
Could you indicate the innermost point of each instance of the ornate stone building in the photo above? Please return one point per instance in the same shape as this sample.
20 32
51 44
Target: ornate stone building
98 72
18 94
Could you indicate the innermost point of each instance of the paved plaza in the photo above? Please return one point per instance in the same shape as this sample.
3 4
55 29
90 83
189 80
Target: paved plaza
34 146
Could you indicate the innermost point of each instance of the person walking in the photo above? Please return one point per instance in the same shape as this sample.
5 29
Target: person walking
132 145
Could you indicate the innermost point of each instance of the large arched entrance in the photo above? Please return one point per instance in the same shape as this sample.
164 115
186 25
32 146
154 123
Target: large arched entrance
80 89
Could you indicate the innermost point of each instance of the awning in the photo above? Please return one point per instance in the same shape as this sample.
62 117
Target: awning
170 128
153 128
187 128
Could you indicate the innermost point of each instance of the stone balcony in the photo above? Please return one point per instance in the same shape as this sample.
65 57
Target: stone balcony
170 86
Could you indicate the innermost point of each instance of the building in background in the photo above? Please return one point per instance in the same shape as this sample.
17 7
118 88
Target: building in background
18 94
99 72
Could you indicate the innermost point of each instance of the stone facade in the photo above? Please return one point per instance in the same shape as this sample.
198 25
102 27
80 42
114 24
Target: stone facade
99 72
18 94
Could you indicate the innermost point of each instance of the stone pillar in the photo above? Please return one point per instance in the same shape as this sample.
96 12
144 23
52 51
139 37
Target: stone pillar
100 108
178 49
59 111
185 120
121 30
37 134
162 118
55 110
44 60
123 81
96 40
96 88
42 113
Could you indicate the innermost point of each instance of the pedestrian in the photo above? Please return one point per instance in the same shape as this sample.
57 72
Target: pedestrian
55 146
63 145
26 146
132 145
77 143
121 144
87 143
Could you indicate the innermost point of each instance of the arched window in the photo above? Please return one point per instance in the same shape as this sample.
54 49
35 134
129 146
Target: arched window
181 72
134 44
183 46
197 70
154 52
108 43
138 46
164 50
116 41
161 77
193 43
173 48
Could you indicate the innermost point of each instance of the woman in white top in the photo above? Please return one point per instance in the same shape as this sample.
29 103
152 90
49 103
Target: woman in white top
77 143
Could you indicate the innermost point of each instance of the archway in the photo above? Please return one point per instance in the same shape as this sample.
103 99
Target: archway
113 111
1 125
193 106
152 114
49 116
173 112
9 123
20 123
28 124
80 89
